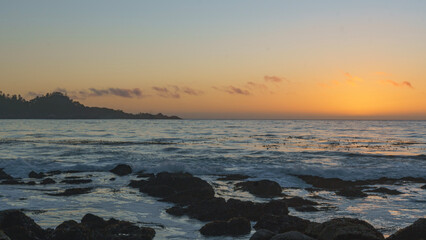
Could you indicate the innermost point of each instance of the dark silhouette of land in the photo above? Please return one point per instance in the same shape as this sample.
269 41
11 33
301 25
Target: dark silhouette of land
59 106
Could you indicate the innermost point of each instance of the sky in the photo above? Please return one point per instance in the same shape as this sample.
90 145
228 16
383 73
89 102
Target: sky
236 59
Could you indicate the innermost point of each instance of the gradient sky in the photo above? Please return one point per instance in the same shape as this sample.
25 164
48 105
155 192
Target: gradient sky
221 59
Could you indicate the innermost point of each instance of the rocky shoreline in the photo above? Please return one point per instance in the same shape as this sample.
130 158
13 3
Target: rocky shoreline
196 198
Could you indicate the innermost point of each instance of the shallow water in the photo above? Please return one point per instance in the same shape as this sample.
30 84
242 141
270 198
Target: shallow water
274 150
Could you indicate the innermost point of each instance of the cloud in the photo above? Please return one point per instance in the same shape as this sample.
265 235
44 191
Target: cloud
274 79
174 91
352 79
233 90
167 93
191 91
396 84
119 92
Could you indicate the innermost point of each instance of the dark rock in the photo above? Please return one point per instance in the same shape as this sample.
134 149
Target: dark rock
17 226
76 181
351 193
4 175
298 202
293 235
182 188
344 228
262 188
327 183
3 236
232 227
262 234
145 175
281 224
11 182
385 191
121 170
233 177
71 230
306 209
31 183
423 187
112 179
72 191
39 175
47 181
219 209
93 227
416 231
93 221
216 228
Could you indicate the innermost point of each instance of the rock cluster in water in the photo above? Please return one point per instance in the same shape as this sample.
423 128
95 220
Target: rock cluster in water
195 198
15 225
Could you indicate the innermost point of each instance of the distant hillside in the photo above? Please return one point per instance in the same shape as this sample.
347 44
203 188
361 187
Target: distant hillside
59 106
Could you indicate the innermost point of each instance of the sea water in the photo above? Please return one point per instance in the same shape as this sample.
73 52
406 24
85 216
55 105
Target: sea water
263 149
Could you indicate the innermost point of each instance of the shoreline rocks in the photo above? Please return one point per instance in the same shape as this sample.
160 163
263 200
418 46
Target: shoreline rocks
181 188
262 188
15 225
121 170
233 227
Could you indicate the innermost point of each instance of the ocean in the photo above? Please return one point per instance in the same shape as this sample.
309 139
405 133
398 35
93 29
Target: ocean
263 149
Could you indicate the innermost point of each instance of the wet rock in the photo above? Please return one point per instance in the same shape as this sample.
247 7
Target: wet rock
71 230
182 188
262 234
17 226
72 192
233 227
281 224
344 228
121 170
93 227
12 182
306 209
299 202
39 175
385 191
47 181
145 175
423 187
233 177
262 188
76 181
4 175
416 231
293 235
219 209
3 236
351 193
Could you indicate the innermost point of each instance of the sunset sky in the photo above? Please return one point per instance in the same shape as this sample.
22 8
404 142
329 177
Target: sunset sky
221 59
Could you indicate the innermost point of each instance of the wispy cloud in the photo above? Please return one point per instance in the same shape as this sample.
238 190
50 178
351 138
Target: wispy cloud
119 92
165 92
176 91
274 79
234 90
352 79
397 84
